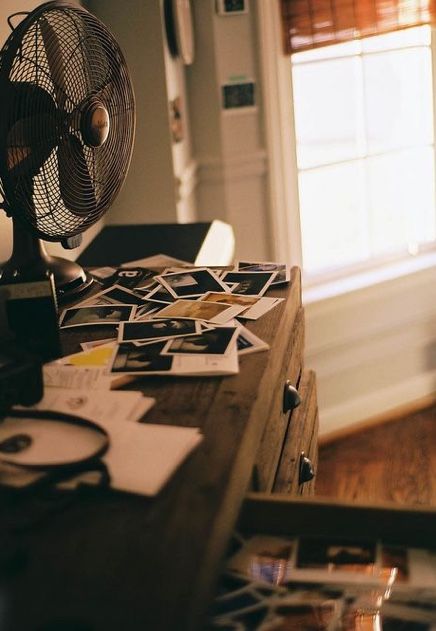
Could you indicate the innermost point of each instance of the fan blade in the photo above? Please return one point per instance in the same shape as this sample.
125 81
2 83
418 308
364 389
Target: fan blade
29 143
53 51
76 185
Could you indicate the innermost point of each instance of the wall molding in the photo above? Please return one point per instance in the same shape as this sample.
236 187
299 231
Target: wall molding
186 182
373 349
212 169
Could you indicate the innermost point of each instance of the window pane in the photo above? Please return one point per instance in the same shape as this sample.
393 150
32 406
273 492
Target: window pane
398 99
401 200
328 102
416 36
333 216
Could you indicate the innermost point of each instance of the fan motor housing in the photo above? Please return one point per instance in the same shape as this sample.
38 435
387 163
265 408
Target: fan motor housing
95 124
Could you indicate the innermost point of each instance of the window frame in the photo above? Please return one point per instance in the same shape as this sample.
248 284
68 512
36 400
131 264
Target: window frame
284 213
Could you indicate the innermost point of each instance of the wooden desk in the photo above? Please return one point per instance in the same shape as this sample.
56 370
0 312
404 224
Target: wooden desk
109 561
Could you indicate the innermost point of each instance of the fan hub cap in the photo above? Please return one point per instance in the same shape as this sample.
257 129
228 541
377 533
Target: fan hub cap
95 124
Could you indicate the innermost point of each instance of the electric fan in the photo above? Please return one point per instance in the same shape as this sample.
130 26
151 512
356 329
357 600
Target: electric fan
67 124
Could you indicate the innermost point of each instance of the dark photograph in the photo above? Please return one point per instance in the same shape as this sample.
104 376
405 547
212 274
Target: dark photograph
101 314
336 555
250 283
191 283
141 359
211 342
154 329
283 271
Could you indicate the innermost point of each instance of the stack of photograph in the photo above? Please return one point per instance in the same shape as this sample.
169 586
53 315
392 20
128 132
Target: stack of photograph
181 321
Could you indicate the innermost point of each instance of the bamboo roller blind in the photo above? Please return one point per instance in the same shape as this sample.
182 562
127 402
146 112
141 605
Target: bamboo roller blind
312 23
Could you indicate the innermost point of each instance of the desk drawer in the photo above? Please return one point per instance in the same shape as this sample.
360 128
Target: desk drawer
276 426
296 469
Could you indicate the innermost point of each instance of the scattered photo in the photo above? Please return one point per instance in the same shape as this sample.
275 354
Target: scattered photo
211 342
156 329
256 306
140 359
283 270
194 282
247 342
264 558
131 277
200 310
334 555
102 314
160 294
114 295
147 309
398 557
250 283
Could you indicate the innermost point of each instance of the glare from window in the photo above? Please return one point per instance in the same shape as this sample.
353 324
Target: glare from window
365 149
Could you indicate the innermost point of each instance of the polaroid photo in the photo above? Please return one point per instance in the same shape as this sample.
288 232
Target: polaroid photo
147 309
334 555
156 329
113 295
264 558
256 306
129 358
199 310
91 315
193 282
160 294
247 342
283 270
250 283
215 341
131 277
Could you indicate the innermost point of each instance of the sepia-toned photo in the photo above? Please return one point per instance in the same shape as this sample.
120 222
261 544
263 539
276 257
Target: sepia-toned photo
336 555
201 310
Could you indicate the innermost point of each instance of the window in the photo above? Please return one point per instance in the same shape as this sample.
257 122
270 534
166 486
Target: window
365 150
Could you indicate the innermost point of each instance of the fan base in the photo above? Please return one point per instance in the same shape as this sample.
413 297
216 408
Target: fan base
71 280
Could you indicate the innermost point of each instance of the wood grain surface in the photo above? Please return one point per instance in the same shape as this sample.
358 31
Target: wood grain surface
115 561
394 461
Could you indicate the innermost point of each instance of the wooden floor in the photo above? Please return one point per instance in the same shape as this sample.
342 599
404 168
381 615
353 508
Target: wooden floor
393 461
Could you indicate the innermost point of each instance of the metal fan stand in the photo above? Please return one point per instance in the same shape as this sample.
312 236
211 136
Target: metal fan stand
30 261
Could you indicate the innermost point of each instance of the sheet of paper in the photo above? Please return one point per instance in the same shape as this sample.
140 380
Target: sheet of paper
96 406
142 457
93 378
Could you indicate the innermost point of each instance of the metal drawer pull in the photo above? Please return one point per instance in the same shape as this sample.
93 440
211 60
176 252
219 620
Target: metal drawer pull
306 472
291 398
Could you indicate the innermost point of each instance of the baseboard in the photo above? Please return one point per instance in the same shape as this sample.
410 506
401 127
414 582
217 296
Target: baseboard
379 406
388 416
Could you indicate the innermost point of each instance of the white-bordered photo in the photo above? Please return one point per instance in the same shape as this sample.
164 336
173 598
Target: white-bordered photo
283 270
257 306
250 283
200 310
216 341
157 329
129 358
193 282
146 310
247 342
160 294
114 295
97 314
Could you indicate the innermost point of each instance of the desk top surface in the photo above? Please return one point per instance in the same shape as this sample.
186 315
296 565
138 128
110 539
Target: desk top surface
108 560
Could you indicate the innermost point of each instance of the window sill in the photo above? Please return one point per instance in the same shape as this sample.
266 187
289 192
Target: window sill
365 279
